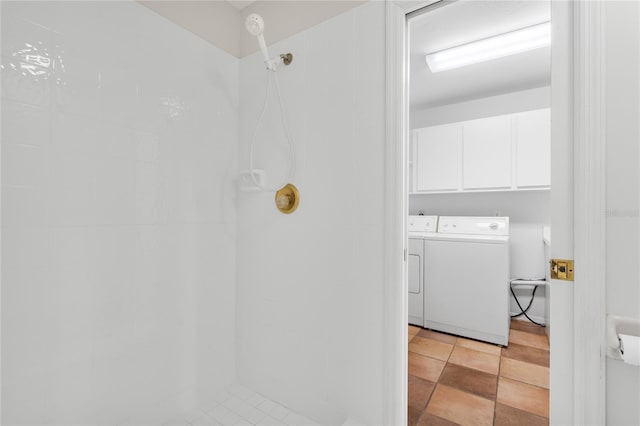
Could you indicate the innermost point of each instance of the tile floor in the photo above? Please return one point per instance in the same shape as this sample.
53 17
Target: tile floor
238 405
453 380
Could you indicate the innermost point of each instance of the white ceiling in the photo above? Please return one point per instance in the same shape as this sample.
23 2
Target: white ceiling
239 4
464 21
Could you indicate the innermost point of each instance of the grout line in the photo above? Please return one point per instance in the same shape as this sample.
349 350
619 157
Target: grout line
424 410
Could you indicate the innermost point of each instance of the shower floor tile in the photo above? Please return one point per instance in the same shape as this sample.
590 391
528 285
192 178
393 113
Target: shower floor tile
238 405
479 383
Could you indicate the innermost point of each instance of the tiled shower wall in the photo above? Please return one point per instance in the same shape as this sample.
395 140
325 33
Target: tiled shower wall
310 284
119 135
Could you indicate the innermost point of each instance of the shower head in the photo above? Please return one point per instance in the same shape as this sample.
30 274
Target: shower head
255 26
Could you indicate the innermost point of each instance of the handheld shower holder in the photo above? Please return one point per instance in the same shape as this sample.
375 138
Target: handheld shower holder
287 58
272 64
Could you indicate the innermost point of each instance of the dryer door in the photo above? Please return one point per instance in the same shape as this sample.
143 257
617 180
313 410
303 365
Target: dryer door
415 277
416 283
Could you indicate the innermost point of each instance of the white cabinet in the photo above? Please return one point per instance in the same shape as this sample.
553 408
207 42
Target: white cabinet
437 158
487 153
507 152
533 148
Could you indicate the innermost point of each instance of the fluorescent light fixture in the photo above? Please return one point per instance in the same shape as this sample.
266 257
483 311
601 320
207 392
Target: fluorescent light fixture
523 40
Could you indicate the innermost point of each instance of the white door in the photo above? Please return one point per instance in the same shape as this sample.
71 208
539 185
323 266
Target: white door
561 292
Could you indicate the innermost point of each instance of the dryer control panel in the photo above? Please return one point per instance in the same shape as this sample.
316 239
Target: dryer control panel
419 223
474 225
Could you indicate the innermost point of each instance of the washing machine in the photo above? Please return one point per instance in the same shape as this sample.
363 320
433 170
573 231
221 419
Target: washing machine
419 228
466 277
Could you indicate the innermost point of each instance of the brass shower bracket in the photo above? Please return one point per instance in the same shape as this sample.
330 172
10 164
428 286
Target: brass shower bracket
287 58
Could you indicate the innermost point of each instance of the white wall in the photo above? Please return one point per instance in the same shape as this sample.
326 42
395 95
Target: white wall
310 284
520 206
623 195
118 266
527 261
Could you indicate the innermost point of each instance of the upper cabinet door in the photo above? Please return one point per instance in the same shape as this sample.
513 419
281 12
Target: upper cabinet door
437 158
487 153
533 148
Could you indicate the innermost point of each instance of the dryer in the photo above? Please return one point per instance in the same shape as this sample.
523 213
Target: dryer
419 228
467 278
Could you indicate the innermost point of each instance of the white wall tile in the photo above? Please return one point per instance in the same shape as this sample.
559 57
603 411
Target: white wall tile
116 142
119 256
71 189
76 134
115 191
23 165
309 284
24 124
78 97
138 217
23 206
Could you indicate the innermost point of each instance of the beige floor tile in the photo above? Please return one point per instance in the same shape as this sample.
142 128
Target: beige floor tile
526 354
460 407
479 346
440 337
509 416
470 380
413 330
529 339
525 372
430 348
419 392
532 399
473 359
413 416
425 367
430 420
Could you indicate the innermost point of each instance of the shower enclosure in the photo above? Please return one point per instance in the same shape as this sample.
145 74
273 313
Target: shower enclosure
139 284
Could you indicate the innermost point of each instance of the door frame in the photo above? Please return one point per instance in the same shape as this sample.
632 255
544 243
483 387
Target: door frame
577 371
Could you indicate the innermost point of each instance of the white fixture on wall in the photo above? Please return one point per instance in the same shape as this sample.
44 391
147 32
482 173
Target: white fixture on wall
499 46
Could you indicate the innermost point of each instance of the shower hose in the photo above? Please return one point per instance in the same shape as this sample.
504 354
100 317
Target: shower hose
286 130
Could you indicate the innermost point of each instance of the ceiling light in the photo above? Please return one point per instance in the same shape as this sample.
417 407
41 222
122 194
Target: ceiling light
499 46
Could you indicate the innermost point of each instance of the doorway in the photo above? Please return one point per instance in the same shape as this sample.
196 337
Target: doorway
578 337
479 149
